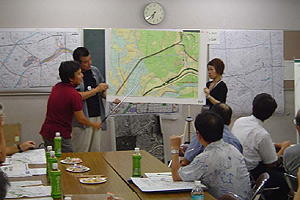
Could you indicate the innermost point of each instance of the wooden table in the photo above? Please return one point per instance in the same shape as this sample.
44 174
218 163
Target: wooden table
94 160
121 162
117 166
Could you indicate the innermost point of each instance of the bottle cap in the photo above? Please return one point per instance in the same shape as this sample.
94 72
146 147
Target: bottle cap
55 166
197 182
52 153
57 134
49 148
137 150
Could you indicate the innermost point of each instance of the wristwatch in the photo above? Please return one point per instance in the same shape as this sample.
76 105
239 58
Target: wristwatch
174 151
20 150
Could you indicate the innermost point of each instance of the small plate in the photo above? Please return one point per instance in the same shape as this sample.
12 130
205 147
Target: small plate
93 180
78 168
71 161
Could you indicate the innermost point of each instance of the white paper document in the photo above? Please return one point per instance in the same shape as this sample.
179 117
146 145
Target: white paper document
16 170
161 183
36 156
19 189
160 174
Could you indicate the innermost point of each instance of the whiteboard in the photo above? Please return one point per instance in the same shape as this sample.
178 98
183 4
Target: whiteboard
253 64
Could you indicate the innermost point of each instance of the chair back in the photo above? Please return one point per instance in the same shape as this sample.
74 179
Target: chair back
230 196
260 184
292 182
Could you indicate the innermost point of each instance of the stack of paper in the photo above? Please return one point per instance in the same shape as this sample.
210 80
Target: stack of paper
19 189
158 182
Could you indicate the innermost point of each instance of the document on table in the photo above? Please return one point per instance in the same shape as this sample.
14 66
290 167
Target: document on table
19 189
35 156
16 170
161 183
21 170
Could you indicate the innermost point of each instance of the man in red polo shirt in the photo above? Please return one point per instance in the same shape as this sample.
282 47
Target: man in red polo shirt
63 104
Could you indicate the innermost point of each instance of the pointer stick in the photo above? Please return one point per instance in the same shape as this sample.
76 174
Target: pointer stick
111 112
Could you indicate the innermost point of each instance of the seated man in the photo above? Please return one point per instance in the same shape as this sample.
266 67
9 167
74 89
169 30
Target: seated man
195 147
221 167
258 147
6 151
291 156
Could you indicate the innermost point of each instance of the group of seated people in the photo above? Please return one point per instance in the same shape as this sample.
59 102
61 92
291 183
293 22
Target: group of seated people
226 161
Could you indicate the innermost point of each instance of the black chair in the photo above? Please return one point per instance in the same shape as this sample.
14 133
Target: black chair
259 185
292 182
230 196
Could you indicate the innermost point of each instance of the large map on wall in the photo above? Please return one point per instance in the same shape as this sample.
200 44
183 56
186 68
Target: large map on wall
29 58
253 61
155 66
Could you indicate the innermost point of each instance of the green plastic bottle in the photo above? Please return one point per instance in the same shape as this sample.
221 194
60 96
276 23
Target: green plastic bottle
52 159
48 169
136 163
57 144
55 182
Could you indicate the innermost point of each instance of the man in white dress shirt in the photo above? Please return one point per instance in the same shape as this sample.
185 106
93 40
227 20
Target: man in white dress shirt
258 148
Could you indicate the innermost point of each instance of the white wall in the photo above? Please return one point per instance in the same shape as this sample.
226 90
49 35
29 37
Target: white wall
180 14
232 14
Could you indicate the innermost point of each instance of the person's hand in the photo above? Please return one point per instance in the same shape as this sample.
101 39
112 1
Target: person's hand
97 125
206 91
27 145
175 142
117 101
102 87
285 144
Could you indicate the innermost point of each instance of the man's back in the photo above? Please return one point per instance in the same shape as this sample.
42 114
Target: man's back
256 141
221 167
196 148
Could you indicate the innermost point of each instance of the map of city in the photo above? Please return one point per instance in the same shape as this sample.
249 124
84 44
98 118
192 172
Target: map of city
253 64
155 66
30 58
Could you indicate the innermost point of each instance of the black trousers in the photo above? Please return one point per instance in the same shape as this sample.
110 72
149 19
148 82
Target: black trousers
276 180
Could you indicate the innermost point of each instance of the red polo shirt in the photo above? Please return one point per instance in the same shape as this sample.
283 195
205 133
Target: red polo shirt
63 101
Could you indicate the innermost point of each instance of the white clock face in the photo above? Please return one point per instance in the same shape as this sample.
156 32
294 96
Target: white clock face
154 13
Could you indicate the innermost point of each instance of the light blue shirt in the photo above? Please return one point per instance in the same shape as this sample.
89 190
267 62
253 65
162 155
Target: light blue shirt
222 168
195 147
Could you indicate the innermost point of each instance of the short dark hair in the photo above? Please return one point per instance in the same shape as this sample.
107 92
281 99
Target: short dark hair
210 126
264 106
3 185
297 118
80 52
67 70
224 111
218 64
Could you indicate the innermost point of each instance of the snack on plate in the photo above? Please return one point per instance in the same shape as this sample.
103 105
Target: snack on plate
69 160
93 179
78 168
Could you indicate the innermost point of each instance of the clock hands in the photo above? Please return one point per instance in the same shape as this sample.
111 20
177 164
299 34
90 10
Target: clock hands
150 16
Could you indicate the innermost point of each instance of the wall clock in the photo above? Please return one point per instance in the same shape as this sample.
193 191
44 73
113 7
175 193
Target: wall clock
154 13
